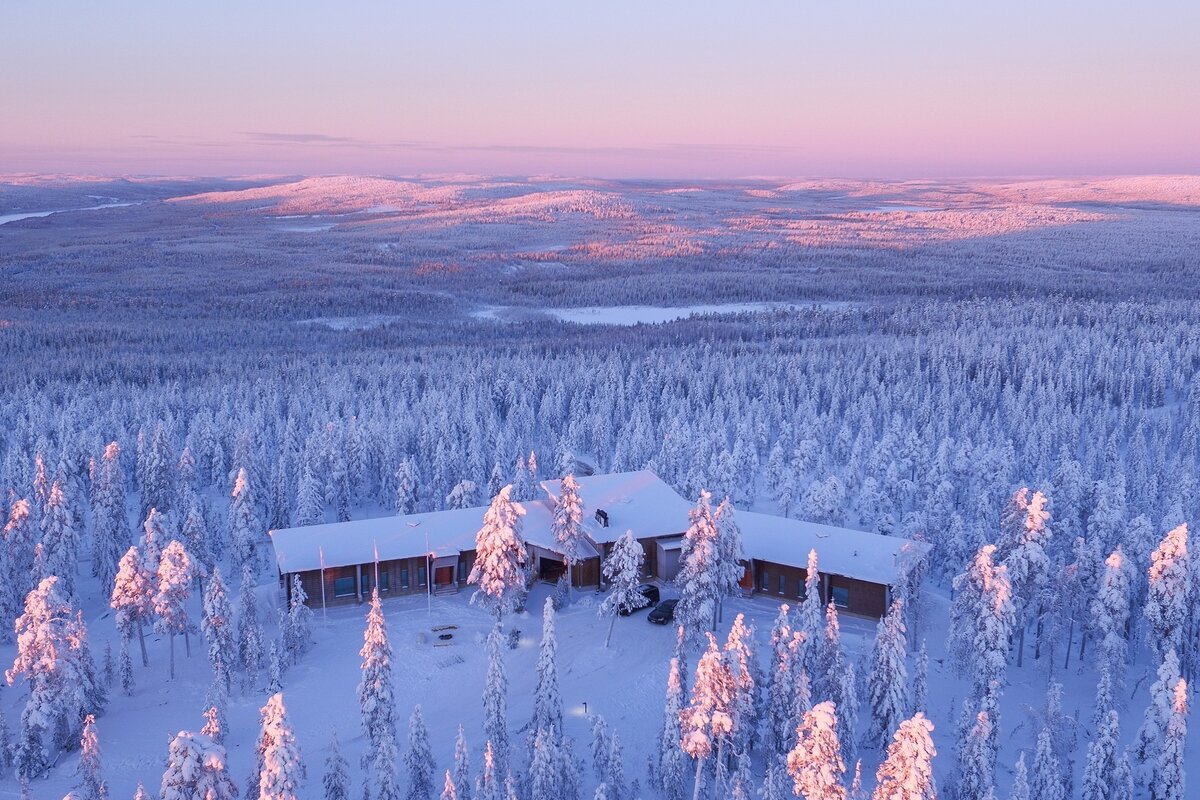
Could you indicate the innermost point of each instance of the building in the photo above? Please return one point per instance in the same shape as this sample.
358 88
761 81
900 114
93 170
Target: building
433 552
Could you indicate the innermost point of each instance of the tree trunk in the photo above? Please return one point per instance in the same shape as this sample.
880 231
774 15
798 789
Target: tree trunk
187 644
172 638
1070 642
699 778
570 584
611 623
142 642
717 787
1021 648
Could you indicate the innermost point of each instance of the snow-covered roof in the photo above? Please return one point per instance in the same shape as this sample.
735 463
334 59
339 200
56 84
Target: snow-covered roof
637 501
840 551
448 533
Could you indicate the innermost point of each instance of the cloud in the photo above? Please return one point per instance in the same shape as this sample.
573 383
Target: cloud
298 138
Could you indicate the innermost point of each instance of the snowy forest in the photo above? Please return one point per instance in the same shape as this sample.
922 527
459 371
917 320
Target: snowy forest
1008 373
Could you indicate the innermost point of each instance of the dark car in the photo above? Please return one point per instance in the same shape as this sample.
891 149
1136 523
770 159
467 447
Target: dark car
648 591
663 613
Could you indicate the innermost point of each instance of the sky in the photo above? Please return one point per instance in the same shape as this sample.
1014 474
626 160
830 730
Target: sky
655 88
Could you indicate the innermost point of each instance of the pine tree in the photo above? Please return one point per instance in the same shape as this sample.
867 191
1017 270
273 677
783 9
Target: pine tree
499 569
282 771
846 700
195 535
777 784
698 577
174 587
462 765
708 719
419 759
245 530
495 702
740 655
1169 590
275 667
977 761
110 523
249 630
1047 781
1102 759
1150 735
907 771
60 540
982 618
601 747
298 630
547 701
20 538
1110 612
888 680
1025 534
376 691
730 555
614 776
6 745
487 786
667 770
463 495
125 669
217 626
780 689
567 525
921 680
91 779
155 536
829 660
449 790
196 770
815 763
1167 778
214 716
1020 784
406 492
310 504
133 599
623 571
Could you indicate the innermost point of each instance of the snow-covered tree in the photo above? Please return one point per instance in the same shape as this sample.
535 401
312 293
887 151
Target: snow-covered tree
133 599
547 700
667 766
1020 783
708 720
1102 757
495 702
216 624
245 530
567 525
740 649
622 569
249 629
1148 744
91 778
462 765
376 691
907 771
282 768
297 633
699 578
463 495
977 761
920 699
336 780
387 784
449 789
1167 778
196 769
60 538
405 500
499 568
1169 591
730 555
810 620
888 678
418 759
310 502
487 785
1047 777
174 588
982 617
20 538
110 522
815 763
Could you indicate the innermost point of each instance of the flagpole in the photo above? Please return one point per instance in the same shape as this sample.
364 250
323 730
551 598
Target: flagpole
375 588
428 576
321 553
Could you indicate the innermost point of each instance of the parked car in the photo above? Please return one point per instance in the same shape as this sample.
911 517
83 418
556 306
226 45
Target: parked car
648 591
663 613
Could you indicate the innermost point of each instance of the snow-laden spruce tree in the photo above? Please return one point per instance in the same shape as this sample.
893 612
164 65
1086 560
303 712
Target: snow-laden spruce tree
282 768
810 620
336 781
699 571
297 633
195 535
829 659
614 776
1150 736
156 533
405 500
487 785
495 702
547 700
543 768
815 763
1102 757
982 617
1047 777
173 589
601 747
499 568
310 502
20 537
418 759
730 554
91 777
1110 612
216 624
740 649
1168 592
249 629
920 693
376 690
462 765
977 761
133 599
667 766
1167 777
110 520
622 569
567 526
60 538
449 789
196 770
778 724
387 783
887 682
907 771
1024 537
464 495
1020 782
708 720
245 530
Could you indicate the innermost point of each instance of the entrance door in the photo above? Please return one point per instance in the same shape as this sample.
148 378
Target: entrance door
443 576
550 569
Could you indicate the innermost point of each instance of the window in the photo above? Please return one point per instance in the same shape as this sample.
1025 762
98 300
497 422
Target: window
462 570
403 578
764 581
841 596
782 585
343 587
421 575
369 576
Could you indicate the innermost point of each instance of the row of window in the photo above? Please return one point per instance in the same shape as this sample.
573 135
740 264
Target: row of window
344 586
840 595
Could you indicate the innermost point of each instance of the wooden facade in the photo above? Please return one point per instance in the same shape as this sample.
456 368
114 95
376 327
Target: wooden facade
848 594
353 584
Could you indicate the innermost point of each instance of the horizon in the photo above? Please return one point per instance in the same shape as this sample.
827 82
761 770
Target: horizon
930 90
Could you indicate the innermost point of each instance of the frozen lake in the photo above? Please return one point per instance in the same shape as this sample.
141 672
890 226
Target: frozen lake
7 218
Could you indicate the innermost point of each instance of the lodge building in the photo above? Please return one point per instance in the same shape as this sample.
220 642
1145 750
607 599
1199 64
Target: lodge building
433 552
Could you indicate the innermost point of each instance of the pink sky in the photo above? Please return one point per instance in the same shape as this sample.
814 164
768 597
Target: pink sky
609 89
